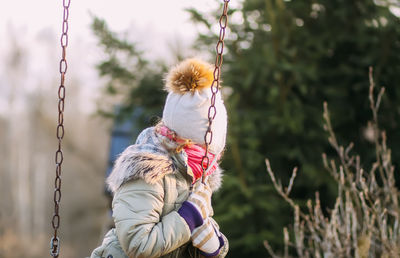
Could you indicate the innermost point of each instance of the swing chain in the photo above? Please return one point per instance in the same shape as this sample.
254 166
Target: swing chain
212 111
59 157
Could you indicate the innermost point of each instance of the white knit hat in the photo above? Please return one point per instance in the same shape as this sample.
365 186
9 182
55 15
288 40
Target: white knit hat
188 101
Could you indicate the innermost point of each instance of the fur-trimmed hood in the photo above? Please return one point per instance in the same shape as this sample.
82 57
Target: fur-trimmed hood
148 159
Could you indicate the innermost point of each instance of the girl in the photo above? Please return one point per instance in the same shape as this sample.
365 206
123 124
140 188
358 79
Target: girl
160 206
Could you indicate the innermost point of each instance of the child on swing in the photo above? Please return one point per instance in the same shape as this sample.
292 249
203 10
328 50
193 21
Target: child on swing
161 208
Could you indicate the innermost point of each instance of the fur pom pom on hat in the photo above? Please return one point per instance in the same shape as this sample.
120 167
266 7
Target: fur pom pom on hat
188 101
188 76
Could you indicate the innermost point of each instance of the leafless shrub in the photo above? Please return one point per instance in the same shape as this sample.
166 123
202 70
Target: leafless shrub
364 221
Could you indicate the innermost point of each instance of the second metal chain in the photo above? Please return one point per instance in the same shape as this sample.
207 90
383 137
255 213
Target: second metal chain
59 157
212 111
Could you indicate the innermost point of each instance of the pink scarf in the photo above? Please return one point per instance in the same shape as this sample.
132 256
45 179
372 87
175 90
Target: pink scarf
195 153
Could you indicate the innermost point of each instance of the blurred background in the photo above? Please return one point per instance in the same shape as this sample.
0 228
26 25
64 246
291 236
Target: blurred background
282 60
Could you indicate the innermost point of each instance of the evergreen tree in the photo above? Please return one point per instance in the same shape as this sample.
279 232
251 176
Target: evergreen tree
285 58
131 81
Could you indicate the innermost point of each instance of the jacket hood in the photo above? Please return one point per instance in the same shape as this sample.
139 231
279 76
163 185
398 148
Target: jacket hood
149 159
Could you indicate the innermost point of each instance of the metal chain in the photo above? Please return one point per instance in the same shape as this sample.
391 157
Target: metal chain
55 241
212 111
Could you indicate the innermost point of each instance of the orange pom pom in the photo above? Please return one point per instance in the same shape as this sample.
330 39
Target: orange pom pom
188 76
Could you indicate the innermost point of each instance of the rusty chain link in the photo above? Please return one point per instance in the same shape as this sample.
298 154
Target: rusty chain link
59 157
212 111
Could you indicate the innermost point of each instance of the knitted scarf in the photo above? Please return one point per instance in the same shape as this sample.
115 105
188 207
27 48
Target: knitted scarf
194 152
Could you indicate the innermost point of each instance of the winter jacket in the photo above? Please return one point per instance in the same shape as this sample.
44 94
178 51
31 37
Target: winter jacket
149 185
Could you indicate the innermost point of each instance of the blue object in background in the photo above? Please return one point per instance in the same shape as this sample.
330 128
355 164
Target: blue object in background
122 135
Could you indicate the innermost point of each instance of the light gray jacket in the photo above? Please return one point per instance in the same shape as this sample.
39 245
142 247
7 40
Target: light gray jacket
149 185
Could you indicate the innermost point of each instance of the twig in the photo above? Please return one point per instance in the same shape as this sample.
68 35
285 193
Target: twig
269 249
278 186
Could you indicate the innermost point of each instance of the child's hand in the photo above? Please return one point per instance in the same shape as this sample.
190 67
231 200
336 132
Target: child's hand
201 199
207 238
198 206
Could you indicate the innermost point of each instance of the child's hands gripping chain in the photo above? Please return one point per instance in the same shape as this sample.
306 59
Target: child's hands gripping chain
207 238
198 206
200 198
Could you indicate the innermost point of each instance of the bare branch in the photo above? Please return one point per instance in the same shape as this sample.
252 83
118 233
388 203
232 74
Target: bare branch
269 249
290 186
364 221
